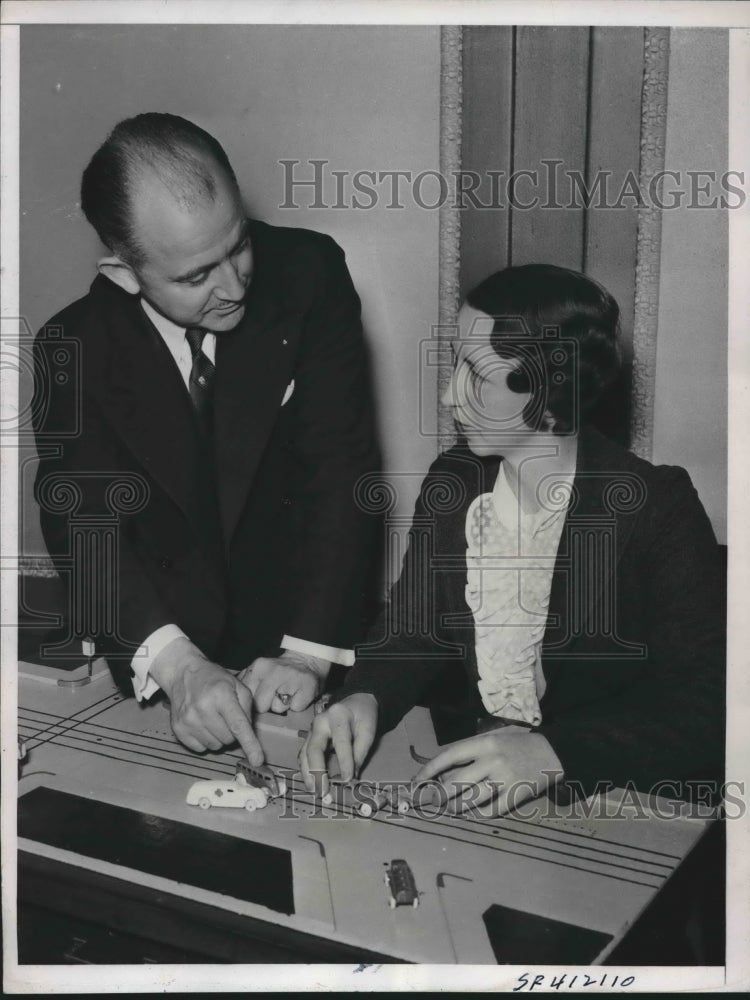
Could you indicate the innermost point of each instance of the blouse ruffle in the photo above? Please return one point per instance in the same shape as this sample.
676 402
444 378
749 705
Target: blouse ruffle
508 584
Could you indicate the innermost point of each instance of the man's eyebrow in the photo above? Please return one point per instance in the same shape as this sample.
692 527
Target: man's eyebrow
205 268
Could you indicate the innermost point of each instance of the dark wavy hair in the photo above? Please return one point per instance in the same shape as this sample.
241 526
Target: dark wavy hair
172 146
563 329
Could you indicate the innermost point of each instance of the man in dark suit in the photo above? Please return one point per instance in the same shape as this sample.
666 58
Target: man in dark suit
223 373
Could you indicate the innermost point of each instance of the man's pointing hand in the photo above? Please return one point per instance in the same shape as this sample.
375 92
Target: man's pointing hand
209 706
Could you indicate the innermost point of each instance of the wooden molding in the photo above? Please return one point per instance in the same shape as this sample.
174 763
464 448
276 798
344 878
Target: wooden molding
449 257
648 254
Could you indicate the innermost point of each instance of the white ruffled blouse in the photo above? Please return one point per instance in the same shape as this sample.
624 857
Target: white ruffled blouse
510 560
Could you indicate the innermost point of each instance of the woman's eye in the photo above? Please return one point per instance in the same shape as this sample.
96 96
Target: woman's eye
466 375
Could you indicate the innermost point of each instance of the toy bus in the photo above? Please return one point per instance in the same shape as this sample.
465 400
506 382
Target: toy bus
261 777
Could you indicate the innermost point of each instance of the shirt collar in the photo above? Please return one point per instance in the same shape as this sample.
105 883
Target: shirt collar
557 499
170 331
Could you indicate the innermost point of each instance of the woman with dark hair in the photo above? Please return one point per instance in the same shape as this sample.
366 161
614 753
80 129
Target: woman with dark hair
574 587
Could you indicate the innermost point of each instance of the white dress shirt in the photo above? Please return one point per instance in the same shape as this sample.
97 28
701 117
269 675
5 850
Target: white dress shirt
144 684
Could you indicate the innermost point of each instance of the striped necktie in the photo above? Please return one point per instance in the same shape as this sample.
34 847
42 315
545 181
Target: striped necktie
201 376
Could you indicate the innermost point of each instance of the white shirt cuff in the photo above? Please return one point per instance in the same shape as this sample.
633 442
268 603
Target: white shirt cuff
344 657
144 684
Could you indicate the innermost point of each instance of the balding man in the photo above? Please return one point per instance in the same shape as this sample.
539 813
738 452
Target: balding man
223 364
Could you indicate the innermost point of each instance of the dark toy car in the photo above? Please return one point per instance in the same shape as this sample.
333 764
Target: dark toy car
400 880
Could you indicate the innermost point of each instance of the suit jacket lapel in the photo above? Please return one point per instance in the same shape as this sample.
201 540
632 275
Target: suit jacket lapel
478 475
597 529
254 364
143 394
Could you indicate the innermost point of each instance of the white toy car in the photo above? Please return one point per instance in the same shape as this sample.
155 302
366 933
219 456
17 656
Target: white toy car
227 794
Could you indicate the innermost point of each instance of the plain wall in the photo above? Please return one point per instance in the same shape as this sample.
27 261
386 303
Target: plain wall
363 98
690 415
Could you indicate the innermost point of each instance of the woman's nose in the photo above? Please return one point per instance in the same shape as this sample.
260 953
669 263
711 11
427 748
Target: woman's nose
448 397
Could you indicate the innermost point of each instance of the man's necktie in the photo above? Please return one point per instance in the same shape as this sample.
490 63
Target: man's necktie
201 377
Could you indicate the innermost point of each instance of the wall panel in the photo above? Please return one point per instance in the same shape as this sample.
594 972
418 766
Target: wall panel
616 77
488 71
551 105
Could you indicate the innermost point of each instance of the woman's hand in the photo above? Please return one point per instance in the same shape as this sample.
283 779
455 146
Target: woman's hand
349 725
508 765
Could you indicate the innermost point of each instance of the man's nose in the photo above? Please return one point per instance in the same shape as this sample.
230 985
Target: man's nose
230 284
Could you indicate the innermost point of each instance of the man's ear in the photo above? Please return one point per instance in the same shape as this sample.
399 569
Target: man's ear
121 273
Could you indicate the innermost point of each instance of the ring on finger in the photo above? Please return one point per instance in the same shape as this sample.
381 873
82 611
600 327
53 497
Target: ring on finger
284 698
